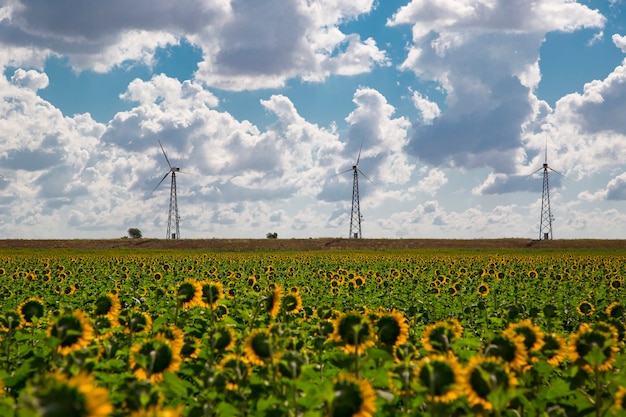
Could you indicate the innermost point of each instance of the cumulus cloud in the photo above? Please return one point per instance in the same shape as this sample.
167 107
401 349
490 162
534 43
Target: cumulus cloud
32 79
428 109
482 53
435 179
619 41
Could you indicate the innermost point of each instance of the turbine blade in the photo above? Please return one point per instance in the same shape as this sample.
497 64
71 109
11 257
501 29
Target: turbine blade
359 157
168 161
368 178
554 170
162 179
342 172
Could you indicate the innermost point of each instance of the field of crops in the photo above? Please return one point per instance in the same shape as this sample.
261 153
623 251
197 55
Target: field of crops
349 333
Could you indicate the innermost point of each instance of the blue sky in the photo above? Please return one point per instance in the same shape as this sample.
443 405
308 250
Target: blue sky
261 104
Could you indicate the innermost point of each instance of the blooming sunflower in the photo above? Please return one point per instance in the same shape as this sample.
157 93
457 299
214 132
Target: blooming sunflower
441 375
484 375
619 406
76 396
272 301
223 338
585 339
554 349
151 358
136 321
353 332
31 309
11 320
404 352
439 336
585 308
401 378
258 347
189 294
73 331
291 303
158 411
233 369
212 292
615 310
391 328
353 397
107 305
532 334
483 289
509 347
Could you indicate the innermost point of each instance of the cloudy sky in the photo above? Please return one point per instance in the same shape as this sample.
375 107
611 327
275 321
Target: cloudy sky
264 104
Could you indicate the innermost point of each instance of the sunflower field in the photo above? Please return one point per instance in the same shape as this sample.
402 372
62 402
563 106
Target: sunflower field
372 333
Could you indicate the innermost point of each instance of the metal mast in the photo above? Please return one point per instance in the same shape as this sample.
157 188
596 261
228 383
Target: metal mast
173 210
355 214
545 227
172 216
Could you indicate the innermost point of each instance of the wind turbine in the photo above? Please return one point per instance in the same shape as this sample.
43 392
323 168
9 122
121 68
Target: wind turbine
172 216
355 213
545 225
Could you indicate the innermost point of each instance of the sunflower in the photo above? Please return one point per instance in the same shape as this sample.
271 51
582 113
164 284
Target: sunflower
223 338
189 294
107 305
484 375
212 292
509 347
353 332
272 301
258 347
191 347
77 396
150 359
619 406
483 289
401 378
11 320
31 309
136 321
439 336
404 352
585 308
233 369
158 411
291 303
441 375
104 326
353 397
73 332
585 339
532 334
615 310
554 349
391 328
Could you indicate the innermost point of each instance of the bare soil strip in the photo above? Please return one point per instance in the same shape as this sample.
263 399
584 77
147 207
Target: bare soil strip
317 244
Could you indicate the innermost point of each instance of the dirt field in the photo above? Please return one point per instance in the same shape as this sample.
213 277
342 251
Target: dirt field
321 244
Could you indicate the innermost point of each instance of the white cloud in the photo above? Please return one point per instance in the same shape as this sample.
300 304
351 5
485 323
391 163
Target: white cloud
435 179
428 109
30 79
485 55
619 41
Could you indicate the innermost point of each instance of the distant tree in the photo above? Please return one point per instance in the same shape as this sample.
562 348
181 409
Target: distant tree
272 235
134 233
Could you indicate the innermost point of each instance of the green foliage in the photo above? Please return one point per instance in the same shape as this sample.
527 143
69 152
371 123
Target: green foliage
134 233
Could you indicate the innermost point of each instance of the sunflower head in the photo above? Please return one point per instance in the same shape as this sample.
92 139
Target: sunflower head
509 347
59 395
484 376
585 308
353 332
554 349
273 299
440 375
211 293
223 338
291 303
439 336
188 293
232 371
594 347
615 310
258 347
532 334
150 359
31 310
405 352
353 397
72 332
392 328
107 305
10 320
